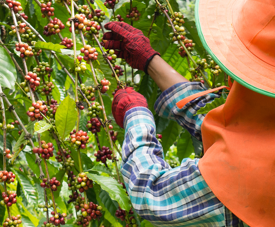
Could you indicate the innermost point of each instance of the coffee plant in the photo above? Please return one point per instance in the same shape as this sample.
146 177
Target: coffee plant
60 148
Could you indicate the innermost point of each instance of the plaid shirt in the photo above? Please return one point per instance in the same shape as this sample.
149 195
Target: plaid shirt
160 194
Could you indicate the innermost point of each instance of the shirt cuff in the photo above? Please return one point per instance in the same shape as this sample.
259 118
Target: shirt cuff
168 99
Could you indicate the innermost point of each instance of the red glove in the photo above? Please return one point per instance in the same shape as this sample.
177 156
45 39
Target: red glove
126 99
134 47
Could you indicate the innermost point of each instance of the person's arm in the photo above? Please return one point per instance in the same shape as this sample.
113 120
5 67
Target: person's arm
164 196
163 74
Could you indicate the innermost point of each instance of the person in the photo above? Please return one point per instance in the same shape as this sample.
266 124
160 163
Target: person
233 184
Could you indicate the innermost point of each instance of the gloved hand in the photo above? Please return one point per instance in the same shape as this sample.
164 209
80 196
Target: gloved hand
134 47
126 99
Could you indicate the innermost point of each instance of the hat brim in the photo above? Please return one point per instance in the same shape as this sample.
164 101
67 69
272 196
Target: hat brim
214 21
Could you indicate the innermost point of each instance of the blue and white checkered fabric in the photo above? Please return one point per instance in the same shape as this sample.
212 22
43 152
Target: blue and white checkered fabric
160 194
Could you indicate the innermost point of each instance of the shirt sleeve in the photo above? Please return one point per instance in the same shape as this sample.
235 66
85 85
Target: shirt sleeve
166 107
160 194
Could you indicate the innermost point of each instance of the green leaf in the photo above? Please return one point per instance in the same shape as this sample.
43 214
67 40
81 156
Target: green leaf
65 117
26 222
41 126
102 7
6 25
21 141
184 145
28 189
212 105
100 168
107 215
169 135
146 223
49 46
7 73
114 189
27 213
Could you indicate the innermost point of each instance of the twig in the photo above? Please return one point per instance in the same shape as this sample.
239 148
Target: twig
151 26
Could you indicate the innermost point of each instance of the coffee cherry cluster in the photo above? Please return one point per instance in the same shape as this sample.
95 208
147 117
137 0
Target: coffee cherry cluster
132 222
53 184
32 79
173 163
178 19
46 150
54 26
43 69
110 4
47 88
83 183
119 71
74 197
82 23
59 156
88 91
98 16
117 18
94 125
71 184
25 50
45 208
214 68
25 32
9 126
103 155
15 5
203 63
113 135
52 108
7 152
88 212
195 76
47 9
9 198
188 44
89 52
112 56
14 221
69 163
105 85
84 9
134 14
121 214
6 176
36 109
80 138
57 219
68 43
94 110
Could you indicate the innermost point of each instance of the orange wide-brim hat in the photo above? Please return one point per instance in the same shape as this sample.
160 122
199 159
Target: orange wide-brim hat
240 37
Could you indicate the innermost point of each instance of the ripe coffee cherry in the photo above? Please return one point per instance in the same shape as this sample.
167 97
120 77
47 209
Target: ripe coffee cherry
89 52
7 177
35 110
90 211
15 5
82 182
9 198
25 50
32 79
80 138
46 150
134 14
110 4
24 16
94 110
105 85
103 155
68 43
13 221
159 137
121 214
118 18
55 26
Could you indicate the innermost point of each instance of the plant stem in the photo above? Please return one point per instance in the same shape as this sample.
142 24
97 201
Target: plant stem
4 128
46 203
170 7
151 26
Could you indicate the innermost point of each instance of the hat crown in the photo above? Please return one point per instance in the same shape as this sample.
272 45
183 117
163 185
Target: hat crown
254 23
